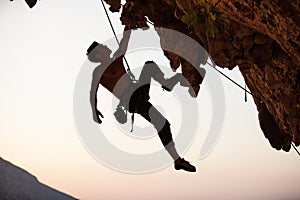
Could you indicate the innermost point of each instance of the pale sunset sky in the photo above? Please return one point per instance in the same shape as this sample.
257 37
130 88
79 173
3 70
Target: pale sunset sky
42 51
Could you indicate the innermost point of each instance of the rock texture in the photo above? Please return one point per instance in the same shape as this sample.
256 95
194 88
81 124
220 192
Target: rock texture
260 37
17 184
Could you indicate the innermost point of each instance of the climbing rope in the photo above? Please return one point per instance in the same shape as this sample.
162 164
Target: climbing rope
243 88
113 30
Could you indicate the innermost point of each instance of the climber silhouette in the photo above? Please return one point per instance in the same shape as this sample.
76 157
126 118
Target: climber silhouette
133 96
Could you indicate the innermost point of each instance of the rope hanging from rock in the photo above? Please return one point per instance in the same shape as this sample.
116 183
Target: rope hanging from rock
246 91
113 30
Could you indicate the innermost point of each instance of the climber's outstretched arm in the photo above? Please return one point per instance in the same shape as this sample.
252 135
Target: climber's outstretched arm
93 97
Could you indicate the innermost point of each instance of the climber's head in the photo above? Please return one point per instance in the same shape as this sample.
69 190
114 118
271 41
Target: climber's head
98 52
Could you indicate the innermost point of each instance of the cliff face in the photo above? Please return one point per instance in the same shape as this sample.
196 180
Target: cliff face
16 183
261 37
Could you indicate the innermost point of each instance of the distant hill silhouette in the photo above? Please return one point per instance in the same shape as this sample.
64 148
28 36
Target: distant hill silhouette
18 184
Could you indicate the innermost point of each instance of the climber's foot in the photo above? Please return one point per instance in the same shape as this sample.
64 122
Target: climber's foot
180 163
194 90
171 82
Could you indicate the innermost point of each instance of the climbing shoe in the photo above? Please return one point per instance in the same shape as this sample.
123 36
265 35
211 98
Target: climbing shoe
171 82
180 163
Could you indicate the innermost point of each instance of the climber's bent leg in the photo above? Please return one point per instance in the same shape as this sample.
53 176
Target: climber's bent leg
152 70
